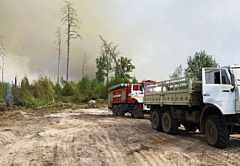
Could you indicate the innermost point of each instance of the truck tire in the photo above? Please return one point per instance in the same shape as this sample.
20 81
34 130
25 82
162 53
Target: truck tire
137 112
114 111
120 110
156 120
169 124
216 133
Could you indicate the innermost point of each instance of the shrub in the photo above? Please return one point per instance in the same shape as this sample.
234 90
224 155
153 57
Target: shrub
3 92
39 93
71 92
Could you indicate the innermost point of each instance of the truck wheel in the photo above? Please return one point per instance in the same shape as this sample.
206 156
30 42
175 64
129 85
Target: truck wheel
169 125
114 111
137 112
120 110
216 133
156 120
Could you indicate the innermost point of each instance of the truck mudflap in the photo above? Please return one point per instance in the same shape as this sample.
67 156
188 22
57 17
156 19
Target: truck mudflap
238 107
146 108
232 120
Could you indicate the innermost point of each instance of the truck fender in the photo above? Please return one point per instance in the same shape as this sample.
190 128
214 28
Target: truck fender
207 110
137 100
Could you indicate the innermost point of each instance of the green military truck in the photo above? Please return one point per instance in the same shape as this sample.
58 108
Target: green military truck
211 105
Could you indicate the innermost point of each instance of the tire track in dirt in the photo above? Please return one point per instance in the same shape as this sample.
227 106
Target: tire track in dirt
79 138
66 150
109 148
133 153
7 136
141 159
141 155
148 153
219 158
64 153
13 152
153 160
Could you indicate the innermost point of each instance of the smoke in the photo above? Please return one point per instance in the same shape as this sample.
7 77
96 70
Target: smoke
158 35
28 27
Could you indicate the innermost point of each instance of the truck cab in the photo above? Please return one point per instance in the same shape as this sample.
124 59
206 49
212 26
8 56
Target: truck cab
220 87
221 114
137 92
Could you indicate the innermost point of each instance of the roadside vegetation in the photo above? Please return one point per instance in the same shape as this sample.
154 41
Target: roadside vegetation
42 92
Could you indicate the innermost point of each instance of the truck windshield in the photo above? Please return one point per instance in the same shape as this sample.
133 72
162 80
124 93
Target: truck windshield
236 72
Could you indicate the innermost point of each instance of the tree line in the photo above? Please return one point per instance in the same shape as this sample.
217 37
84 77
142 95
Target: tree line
194 66
43 91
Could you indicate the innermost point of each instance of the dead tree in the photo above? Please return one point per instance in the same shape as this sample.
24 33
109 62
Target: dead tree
105 53
84 64
59 43
70 19
3 65
112 53
2 55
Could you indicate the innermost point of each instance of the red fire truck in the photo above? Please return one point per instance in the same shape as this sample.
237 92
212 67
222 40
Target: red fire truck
123 98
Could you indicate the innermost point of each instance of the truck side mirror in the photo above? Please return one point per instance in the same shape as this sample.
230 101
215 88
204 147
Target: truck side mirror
232 89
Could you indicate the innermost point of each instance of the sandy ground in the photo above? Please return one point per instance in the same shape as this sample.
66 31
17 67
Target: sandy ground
94 137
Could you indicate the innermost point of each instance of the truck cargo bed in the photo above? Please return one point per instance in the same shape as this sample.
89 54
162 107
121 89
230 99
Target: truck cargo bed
174 92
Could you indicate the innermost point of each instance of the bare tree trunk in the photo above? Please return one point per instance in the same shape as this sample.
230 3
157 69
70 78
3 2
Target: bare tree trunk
15 83
68 52
59 42
2 68
68 44
83 64
108 70
59 55
2 54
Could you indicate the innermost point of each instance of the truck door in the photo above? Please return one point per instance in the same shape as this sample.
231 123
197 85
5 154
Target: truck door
137 92
217 89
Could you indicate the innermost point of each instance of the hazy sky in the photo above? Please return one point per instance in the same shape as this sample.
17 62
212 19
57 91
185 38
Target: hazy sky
158 35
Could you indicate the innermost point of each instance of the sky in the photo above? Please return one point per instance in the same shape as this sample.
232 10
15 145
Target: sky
158 35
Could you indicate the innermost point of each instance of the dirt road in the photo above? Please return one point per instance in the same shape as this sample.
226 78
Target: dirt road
94 137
